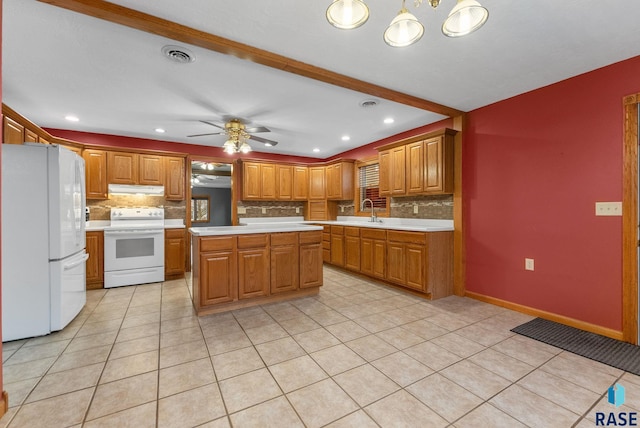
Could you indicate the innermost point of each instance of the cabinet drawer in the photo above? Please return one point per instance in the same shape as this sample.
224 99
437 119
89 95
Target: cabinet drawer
326 228
326 236
373 233
352 231
337 230
284 238
217 243
174 233
258 240
311 237
408 237
326 245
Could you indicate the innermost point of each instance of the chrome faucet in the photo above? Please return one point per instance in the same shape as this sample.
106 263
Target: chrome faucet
373 214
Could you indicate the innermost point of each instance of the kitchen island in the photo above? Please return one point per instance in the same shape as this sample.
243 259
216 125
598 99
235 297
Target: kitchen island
241 266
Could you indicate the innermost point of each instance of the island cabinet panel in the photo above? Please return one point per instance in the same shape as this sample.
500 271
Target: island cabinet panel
310 259
219 278
285 275
95 173
151 170
122 168
352 248
253 265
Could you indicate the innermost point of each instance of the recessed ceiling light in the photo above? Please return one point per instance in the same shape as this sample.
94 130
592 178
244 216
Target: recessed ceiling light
316 150
345 138
71 118
389 120
160 130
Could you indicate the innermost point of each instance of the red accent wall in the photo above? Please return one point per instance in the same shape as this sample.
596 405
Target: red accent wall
534 166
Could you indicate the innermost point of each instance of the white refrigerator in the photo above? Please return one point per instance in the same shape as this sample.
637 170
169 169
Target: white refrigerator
43 239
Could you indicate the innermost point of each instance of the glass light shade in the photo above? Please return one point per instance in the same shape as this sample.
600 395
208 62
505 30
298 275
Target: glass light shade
404 30
229 147
347 14
465 18
245 148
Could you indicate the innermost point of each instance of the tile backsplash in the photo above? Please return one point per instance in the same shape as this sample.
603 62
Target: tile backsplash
271 209
101 209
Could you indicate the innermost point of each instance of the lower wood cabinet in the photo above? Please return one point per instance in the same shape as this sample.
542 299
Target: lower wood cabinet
284 262
352 248
95 262
326 244
373 252
337 245
253 265
174 253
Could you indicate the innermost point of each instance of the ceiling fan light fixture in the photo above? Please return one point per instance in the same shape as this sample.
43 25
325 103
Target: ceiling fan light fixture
244 147
347 14
466 17
229 147
404 30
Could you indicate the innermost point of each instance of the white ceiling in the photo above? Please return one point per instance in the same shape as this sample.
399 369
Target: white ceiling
57 62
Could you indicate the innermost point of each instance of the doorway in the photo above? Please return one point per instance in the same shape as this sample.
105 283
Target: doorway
211 194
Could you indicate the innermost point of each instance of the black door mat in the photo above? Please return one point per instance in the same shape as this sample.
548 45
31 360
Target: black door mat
615 353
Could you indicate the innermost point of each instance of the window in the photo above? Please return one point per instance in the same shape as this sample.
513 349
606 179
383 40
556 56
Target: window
369 188
200 209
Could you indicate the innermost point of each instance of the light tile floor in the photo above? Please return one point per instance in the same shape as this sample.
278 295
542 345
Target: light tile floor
359 354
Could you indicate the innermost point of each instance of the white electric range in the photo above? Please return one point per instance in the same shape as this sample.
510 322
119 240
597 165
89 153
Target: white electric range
134 247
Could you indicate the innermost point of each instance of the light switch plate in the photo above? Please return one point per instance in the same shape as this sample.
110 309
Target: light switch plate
415 209
242 210
608 208
528 264
297 210
264 210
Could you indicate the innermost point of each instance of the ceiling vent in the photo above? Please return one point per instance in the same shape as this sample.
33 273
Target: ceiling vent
368 103
178 54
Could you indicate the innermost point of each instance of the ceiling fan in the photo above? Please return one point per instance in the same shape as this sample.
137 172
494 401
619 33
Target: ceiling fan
238 134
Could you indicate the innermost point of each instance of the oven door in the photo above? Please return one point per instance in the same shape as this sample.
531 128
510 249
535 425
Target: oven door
126 249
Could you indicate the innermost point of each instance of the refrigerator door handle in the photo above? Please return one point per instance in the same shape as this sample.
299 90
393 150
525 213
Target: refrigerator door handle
70 266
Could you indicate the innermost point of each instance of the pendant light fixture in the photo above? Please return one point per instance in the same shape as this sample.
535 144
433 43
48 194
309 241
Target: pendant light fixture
466 17
347 14
404 30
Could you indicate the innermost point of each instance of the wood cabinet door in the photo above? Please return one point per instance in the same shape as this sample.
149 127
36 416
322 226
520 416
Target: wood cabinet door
95 262
333 184
366 256
30 136
352 253
300 183
151 170
174 252
337 249
253 272
379 258
415 167
414 266
284 183
268 182
218 277
317 182
284 268
433 178
396 263
95 163
251 180
310 265
174 189
122 168
398 174
12 131
384 165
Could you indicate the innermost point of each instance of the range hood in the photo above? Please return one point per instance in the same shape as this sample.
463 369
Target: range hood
131 189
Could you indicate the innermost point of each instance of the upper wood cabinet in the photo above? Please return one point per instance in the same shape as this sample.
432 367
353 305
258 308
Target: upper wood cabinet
122 168
268 181
174 184
300 183
13 132
339 180
96 173
151 169
30 136
423 165
317 182
259 181
284 182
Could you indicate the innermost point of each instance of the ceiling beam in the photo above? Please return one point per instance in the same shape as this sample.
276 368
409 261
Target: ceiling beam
162 27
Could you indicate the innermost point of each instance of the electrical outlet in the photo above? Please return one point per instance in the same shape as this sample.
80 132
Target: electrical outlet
341 208
415 209
608 208
528 264
297 210
264 210
242 210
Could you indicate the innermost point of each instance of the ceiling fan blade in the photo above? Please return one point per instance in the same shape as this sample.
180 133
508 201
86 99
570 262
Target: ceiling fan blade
263 140
212 124
202 135
257 129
